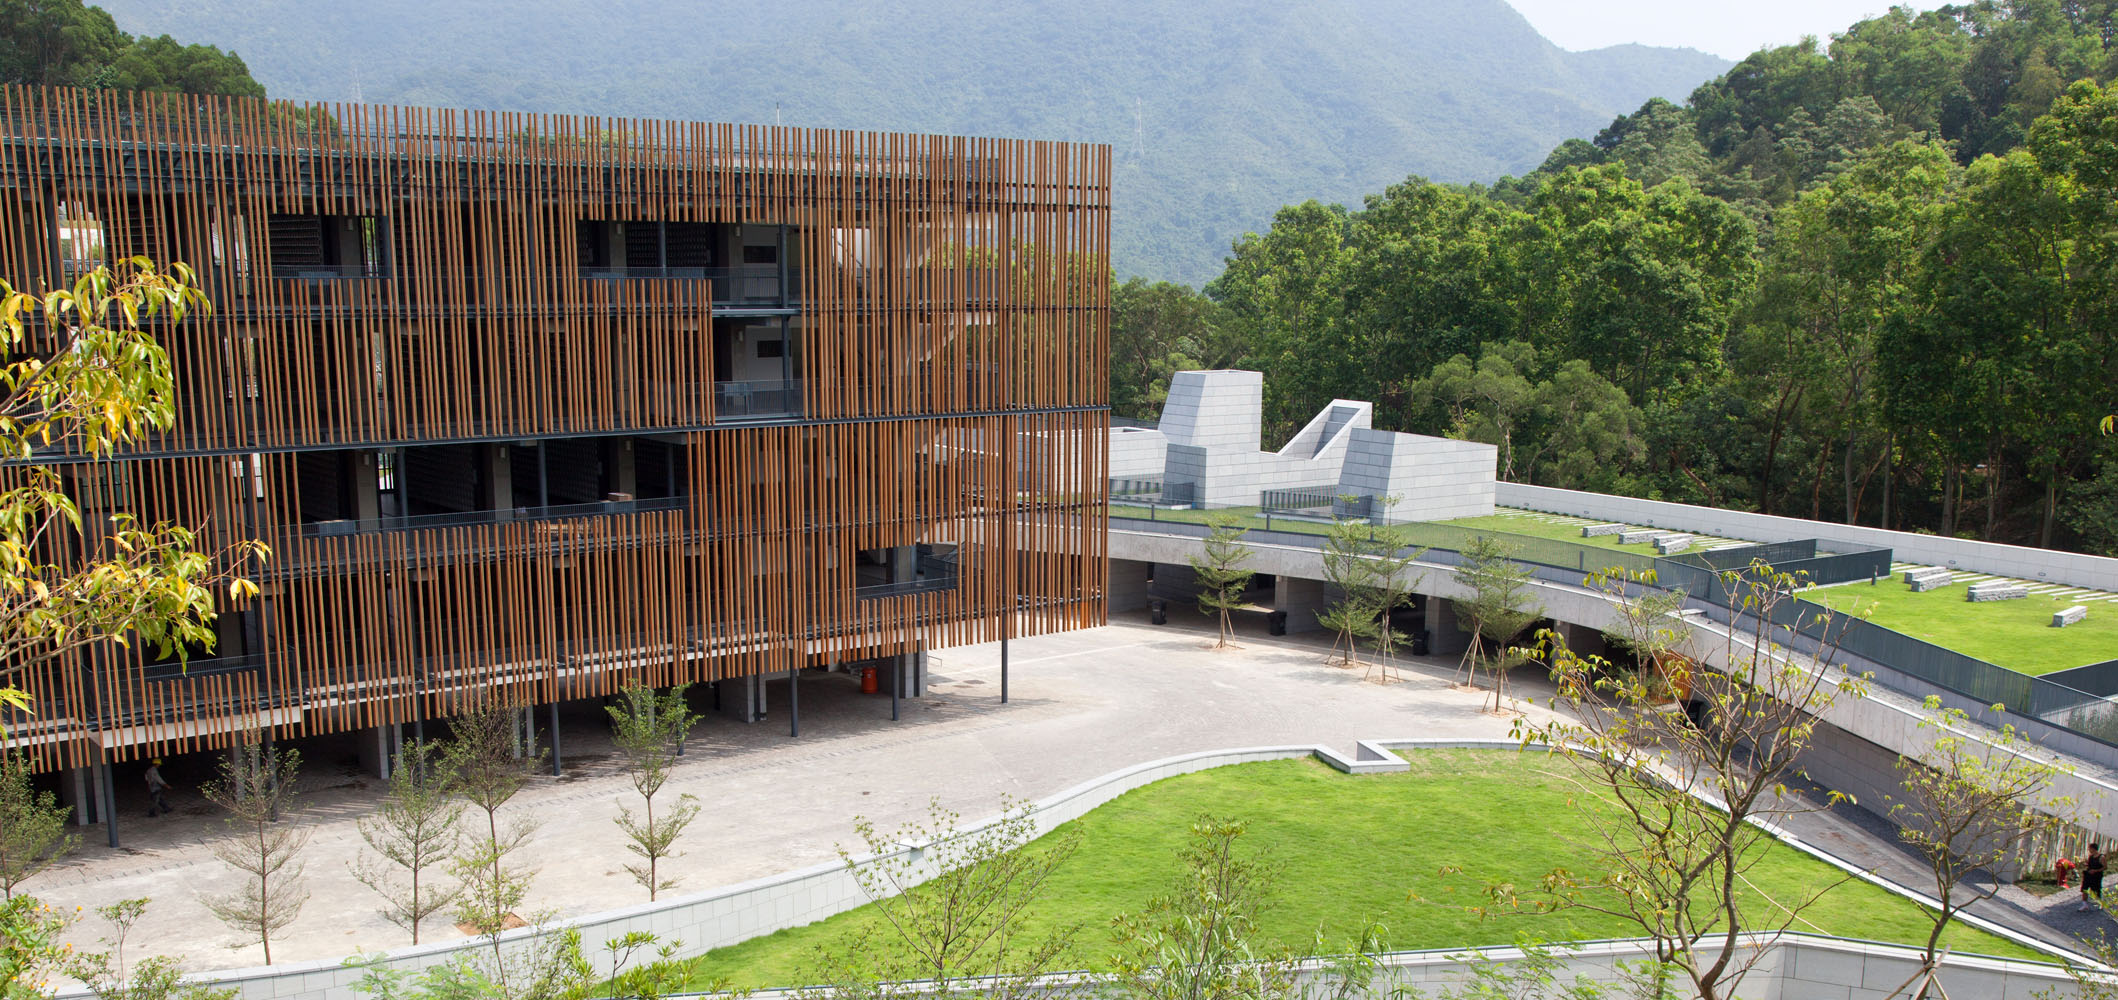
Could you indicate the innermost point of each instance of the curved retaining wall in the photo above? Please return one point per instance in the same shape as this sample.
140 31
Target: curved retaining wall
730 914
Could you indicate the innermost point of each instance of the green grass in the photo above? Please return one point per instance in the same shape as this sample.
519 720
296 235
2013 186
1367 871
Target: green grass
1501 523
2013 634
1523 524
1350 849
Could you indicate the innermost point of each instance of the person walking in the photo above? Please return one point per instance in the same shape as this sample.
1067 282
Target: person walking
2092 880
156 786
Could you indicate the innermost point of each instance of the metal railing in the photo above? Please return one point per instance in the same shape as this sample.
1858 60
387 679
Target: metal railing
761 285
757 400
327 272
349 526
929 573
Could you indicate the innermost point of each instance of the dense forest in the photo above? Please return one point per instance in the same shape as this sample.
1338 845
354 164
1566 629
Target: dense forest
1871 280
68 43
1215 114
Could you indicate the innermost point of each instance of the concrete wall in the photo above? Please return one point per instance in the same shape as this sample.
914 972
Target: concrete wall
1214 409
1136 452
1128 590
1432 479
1985 557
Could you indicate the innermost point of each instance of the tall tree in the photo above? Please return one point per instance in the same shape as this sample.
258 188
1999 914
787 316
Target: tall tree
1157 330
71 44
1284 300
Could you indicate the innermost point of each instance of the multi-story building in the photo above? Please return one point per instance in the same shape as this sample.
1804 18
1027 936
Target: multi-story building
531 408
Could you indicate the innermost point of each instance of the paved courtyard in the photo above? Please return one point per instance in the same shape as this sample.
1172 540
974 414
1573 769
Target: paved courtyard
1082 704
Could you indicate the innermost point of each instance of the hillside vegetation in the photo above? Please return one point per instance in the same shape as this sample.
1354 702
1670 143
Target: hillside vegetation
1216 113
1873 280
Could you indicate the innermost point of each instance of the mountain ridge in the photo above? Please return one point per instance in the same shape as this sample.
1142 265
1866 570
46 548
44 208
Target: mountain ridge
1213 125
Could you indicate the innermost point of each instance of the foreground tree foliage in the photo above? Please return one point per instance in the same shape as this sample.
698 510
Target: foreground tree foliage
955 908
1968 807
32 826
1691 788
81 374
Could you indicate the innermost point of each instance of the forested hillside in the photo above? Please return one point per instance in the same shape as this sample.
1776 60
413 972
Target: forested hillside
1218 113
1874 280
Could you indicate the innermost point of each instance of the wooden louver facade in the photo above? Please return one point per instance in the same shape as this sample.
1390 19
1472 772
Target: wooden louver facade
532 408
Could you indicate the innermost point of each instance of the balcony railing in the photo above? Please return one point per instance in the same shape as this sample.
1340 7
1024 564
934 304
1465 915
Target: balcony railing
328 272
333 529
929 573
755 285
757 400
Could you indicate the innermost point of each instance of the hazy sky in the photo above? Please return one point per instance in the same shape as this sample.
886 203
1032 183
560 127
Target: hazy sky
1722 27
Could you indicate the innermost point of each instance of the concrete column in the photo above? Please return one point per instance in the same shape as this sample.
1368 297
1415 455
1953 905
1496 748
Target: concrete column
1175 582
619 469
1301 599
741 698
363 492
1448 639
1583 640
497 481
77 791
1127 589
379 748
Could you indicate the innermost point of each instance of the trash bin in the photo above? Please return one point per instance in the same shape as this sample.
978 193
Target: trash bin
1276 622
1421 643
1158 611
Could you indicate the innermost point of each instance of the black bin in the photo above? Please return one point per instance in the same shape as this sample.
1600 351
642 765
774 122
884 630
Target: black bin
1420 644
1276 622
1158 611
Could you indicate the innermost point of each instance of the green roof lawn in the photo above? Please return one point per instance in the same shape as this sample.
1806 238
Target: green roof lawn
1350 849
2014 634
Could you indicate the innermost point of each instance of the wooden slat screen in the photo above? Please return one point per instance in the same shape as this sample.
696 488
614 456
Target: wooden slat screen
396 277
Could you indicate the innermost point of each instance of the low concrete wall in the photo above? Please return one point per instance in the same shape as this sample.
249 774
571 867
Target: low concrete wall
1985 557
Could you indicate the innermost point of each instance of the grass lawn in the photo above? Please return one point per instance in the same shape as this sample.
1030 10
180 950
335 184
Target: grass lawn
1351 849
1524 524
2013 634
1499 523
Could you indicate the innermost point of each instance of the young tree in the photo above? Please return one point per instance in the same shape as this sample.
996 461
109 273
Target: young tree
956 905
1369 565
1498 608
1969 806
1222 571
414 832
1675 814
257 788
1199 942
80 373
1349 568
486 766
32 826
648 729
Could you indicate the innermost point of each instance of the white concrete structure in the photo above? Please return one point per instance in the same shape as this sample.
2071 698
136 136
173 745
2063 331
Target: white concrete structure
1429 478
1209 442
